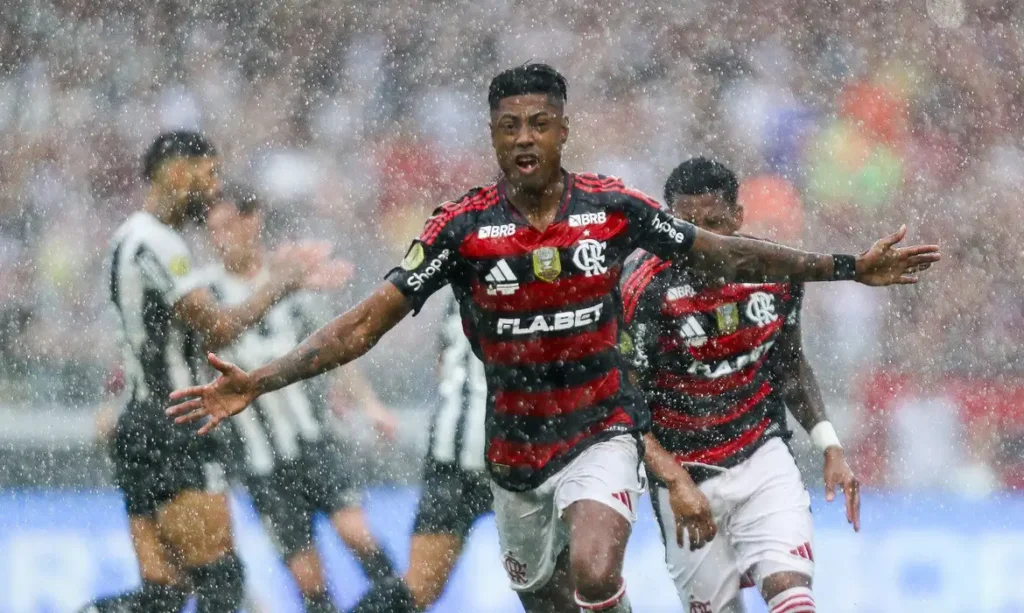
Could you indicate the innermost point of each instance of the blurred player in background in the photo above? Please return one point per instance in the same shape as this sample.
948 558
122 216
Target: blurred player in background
291 463
174 483
455 487
719 363
534 261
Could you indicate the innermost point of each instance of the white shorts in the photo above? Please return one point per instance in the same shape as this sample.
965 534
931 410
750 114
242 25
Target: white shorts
763 513
530 527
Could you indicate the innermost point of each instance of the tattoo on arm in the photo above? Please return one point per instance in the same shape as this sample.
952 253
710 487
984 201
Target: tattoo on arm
754 261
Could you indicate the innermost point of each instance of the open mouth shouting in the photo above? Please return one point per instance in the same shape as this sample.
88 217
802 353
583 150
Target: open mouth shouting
527 163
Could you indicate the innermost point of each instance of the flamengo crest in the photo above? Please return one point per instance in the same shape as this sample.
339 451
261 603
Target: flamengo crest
589 257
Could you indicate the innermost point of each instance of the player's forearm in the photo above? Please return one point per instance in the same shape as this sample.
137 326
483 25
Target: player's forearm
231 322
662 464
342 340
803 396
754 261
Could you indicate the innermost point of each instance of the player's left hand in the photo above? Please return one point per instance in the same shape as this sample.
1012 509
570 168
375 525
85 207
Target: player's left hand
887 264
838 473
332 274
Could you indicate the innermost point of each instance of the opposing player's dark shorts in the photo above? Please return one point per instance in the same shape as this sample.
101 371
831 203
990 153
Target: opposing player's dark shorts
452 499
155 461
290 496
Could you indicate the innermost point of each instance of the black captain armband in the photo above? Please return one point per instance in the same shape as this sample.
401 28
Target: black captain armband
844 267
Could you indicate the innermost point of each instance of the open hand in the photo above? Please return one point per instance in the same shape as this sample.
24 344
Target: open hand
227 395
887 264
839 473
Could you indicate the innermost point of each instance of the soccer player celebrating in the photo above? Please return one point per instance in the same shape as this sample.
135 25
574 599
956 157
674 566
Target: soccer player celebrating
292 466
173 483
719 362
534 261
455 488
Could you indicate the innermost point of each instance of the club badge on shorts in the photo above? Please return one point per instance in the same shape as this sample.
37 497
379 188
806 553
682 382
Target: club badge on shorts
728 318
413 258
547 264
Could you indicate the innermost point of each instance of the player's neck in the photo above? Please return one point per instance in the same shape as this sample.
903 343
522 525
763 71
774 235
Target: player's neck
540 207
158 206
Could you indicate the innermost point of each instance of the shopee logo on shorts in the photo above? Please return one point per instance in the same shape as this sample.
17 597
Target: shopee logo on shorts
667 227
587 219
496 231
548 323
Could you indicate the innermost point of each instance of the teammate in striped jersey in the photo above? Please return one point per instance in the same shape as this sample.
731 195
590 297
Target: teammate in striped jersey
564 422
455 488
291 463
172 482
719 363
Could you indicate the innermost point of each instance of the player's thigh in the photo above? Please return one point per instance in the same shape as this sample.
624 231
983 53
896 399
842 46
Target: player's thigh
432 558
598 494
196 520
772 529
530 533
706 579
156 560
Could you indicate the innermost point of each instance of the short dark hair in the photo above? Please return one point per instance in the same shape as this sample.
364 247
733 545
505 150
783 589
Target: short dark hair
700 175
170 145
528 79
243 197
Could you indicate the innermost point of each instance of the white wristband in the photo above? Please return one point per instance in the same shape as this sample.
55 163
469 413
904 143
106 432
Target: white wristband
824 436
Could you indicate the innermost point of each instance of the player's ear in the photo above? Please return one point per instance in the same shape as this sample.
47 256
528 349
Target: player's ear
738 212
565 129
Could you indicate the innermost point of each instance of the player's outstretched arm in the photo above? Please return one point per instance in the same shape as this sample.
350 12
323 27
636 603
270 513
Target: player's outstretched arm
754 261
802 395
293 268
342 340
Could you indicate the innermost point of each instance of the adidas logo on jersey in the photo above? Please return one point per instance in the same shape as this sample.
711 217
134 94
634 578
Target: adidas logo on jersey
693 332
501 280
587 219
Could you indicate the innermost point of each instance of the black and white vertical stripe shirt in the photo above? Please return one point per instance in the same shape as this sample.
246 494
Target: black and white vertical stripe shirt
457 429
150 270
278 422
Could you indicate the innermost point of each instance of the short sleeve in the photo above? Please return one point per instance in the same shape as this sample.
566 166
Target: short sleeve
166 266
654 230
429 263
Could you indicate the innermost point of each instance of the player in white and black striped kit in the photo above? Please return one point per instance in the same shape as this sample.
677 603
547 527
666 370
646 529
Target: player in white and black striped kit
455 487
291 462
173 482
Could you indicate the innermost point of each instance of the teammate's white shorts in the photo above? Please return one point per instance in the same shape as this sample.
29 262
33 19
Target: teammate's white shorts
763 513
530 527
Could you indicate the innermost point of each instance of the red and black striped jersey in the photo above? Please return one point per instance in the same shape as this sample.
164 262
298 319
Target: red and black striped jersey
703 355
542 311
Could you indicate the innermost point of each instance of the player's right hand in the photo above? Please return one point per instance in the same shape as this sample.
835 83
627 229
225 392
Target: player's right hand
227 395
693 514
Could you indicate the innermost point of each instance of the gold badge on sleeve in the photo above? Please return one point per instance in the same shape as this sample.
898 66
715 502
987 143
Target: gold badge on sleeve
414 257
547 264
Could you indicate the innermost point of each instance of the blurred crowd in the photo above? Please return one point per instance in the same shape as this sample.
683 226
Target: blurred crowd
843 118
